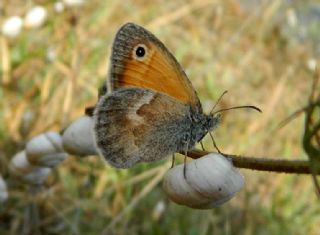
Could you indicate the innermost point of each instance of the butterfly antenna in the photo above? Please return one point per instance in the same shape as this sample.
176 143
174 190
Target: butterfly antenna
215 105
238 107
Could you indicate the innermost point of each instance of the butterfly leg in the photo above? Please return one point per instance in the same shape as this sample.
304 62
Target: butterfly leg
185 167
173 160
202 147
214 143
185 162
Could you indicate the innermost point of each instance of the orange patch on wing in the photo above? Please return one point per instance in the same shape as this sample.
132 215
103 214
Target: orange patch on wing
157 73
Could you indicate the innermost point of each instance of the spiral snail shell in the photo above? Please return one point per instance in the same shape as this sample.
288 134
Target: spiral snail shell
21 169
78 138
46 150
210 181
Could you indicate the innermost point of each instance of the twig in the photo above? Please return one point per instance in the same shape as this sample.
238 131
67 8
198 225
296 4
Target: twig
311 130
262 164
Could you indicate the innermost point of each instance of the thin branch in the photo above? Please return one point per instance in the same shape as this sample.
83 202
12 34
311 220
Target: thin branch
311 131
262 164
296 114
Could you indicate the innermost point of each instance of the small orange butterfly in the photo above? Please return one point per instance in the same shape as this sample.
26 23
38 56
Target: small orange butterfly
150 110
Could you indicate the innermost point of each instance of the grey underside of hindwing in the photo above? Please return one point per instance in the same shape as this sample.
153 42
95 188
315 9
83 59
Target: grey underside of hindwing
138 125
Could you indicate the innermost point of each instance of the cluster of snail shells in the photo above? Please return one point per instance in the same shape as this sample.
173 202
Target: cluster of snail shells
42 153
46 151
34 18
207 182
210 181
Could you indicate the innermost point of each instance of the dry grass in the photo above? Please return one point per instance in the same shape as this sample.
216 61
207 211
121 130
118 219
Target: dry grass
222 46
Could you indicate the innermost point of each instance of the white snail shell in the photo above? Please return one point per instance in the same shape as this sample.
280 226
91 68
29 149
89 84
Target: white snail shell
12 26
37 176
21 169
210 181
74 3
3 190
58 6
51 160
46 150
20 165
78 138
35 17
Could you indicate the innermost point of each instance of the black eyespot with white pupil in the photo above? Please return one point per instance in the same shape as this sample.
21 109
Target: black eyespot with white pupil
140 52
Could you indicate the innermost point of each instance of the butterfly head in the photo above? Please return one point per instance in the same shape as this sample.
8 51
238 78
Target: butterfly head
212 121
203 124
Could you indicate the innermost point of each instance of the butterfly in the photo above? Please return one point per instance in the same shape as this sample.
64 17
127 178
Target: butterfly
150 109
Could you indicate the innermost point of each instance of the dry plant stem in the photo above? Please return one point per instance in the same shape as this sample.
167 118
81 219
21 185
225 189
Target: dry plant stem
5 60
262 164
312 130
31 216
297 113
148 188
312 127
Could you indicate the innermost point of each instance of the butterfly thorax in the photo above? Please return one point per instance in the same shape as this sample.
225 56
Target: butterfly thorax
201 125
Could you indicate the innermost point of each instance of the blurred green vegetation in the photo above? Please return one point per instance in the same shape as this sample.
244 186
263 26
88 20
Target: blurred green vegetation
260 51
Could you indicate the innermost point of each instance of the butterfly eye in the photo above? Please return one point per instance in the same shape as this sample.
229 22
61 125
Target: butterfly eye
140 52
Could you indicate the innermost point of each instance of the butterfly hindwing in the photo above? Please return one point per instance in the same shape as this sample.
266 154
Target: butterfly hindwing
137 125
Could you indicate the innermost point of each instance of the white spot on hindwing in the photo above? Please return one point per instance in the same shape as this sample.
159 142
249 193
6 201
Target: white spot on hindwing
137 120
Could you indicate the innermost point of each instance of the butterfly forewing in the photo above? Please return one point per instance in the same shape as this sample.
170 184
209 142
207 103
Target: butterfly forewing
158 70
